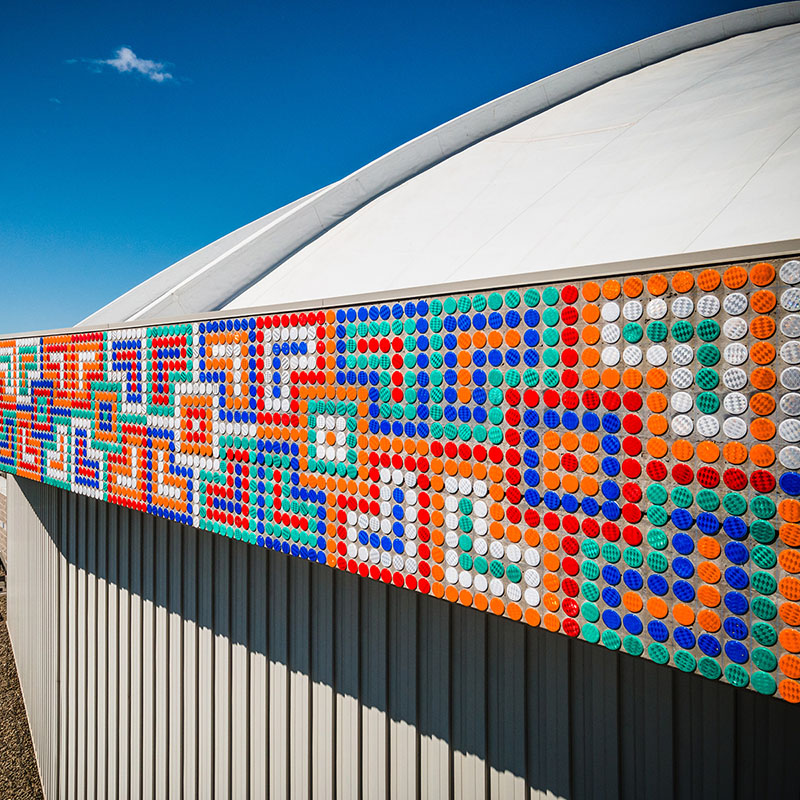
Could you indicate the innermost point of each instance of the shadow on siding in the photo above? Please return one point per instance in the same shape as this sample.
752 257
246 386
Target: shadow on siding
386 692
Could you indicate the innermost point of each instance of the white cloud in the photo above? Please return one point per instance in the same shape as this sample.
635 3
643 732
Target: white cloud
126 60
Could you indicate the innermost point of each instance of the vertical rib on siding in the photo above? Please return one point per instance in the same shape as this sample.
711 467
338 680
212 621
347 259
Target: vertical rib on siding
402 679
20 504
161 658
240 611
346 680
137 566
101 633
174 733
298 610
113 638
148 670
506 711
71 654
81 624
323 732
160 661
258 718
434 688
207 581
188 586
222 665
124 694
92 624
374 666
277 613
468 711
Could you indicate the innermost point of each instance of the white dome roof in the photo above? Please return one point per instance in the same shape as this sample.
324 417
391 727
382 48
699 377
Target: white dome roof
605 162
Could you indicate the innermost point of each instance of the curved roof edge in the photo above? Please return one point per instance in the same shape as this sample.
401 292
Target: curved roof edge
155 286
280 234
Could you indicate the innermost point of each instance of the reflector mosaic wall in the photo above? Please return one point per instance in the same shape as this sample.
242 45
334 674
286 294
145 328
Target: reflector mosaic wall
614 460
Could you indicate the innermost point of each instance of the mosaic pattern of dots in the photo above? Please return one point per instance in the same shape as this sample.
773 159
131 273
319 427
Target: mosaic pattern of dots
616 460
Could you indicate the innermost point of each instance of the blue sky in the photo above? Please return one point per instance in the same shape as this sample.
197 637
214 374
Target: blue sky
118 162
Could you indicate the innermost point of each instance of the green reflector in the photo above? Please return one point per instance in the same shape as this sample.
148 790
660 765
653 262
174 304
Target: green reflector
658 653
709 668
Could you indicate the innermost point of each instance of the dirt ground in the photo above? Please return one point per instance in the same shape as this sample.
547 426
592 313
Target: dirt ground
19 778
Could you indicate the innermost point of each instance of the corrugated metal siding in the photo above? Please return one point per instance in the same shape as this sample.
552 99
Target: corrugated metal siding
3 530
160 661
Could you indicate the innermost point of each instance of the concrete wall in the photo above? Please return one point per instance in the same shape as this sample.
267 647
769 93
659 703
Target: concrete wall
160 661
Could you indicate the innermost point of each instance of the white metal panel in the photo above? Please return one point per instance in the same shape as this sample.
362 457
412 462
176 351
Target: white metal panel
697 151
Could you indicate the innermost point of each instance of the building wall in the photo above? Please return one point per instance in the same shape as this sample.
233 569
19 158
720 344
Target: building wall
3 530
161 661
